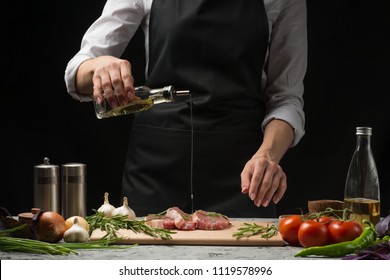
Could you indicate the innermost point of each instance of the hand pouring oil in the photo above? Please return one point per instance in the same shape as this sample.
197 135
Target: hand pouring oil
145 99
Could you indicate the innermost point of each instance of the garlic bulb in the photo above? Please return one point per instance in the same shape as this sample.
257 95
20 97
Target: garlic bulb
124 210
76 233
106 207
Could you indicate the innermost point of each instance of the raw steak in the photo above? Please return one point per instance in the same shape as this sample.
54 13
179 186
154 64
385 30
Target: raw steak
210 220
175 218
182 220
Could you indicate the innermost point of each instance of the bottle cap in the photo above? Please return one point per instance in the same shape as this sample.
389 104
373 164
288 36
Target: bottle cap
363 130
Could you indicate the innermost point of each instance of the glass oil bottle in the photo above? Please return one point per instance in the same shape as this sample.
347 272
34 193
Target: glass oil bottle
146 98
362 192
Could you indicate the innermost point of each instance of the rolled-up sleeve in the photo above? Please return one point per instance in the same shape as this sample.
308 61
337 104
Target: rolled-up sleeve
286 65
108 35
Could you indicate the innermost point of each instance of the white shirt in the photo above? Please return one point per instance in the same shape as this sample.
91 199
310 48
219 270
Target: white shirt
286 56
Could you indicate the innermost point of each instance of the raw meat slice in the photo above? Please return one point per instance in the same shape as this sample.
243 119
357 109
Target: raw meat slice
188 225
166 223
182 220
175 218
210 220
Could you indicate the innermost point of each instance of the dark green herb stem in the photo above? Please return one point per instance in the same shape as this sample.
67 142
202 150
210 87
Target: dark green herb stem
25 245
342 215
112 224
254 229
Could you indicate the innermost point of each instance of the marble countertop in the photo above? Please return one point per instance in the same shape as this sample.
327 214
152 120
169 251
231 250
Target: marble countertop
164 252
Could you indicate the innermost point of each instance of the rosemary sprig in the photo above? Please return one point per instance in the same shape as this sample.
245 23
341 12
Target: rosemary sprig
254 229
112 224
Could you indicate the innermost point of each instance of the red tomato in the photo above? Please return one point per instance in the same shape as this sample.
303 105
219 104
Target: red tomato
313 233
326 220
288 228
340 231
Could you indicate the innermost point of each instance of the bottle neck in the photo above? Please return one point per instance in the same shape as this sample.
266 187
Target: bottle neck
363 142
161 95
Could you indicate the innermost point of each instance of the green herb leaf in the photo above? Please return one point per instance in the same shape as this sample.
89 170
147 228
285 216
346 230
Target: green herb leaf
112 224
254 229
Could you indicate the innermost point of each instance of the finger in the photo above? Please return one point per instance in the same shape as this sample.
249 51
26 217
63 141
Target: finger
127 80
117 86
272 189
245 179
255 181
266 184
97 90
108 90
122 82
281 189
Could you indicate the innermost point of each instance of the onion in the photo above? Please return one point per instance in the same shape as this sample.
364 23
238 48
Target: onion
49 226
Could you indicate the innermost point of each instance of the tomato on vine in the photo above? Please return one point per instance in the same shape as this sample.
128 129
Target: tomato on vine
288 228
341 231
319 228
326 220
313 233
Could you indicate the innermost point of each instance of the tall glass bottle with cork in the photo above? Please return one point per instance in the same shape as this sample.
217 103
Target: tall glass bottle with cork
362 193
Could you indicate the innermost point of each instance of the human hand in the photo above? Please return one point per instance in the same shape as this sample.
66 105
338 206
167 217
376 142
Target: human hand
112 80
263 179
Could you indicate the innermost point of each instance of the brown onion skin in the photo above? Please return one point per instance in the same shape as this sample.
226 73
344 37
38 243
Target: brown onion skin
50 227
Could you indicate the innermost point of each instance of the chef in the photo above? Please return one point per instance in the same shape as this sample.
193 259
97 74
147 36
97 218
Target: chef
244 63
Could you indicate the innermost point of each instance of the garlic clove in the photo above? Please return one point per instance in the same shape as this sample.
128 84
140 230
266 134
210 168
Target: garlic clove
125 210
76 233
106 207
82 222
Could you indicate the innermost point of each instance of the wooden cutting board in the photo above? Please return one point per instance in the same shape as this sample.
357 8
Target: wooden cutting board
198 237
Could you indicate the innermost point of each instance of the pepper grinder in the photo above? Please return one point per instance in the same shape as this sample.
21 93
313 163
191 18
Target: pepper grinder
46 186
73 189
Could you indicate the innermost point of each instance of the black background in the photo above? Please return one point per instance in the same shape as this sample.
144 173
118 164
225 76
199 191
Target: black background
346 86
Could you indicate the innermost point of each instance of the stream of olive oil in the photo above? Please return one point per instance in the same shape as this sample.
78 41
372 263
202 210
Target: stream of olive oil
192 154
143 105
363 209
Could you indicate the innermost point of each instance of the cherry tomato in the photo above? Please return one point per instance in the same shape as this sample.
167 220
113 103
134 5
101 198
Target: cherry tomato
340 231
313 233
326 220
288 228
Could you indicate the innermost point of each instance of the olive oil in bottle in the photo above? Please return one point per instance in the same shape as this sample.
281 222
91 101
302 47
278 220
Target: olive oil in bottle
146 98
363 209
362 193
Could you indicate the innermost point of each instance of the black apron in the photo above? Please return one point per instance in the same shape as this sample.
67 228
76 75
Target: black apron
216 49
